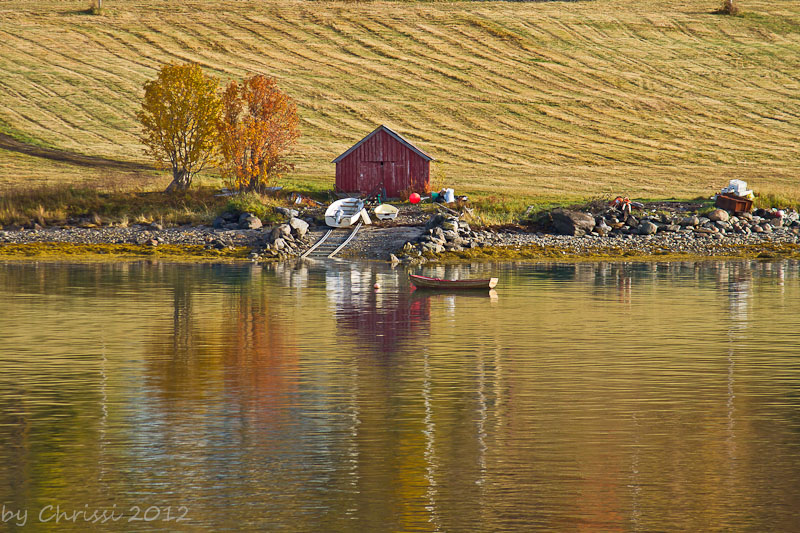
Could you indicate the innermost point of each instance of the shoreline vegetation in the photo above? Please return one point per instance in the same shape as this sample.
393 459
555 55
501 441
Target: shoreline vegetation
247 229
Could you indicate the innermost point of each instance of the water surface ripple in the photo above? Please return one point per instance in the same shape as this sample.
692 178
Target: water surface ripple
610 396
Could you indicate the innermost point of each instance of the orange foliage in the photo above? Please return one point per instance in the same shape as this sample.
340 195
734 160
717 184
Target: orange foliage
259 127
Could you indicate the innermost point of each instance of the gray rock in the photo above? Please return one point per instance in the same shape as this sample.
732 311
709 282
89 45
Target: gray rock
721 224
435 221
672 228
250 222
568 222
279 244
450 235
299 226
230 226
280 232
746 216
647 227
776 222
719 215
291 213
450 225
690 221
156 226
632 222
218 223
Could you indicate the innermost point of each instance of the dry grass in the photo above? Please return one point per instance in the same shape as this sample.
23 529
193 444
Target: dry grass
57 203
543 100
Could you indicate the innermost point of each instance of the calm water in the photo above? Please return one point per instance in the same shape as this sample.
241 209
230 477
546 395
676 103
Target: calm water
617 397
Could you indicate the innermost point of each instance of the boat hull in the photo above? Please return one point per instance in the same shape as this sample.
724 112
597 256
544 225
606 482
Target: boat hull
344 213
423 282
386 212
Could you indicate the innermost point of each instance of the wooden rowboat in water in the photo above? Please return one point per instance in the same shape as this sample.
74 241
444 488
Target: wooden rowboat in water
423 282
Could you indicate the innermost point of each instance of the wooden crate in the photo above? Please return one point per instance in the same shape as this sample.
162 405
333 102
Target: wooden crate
734 204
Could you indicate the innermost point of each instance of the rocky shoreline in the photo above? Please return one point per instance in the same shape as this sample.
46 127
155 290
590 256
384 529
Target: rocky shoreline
562 234
613 234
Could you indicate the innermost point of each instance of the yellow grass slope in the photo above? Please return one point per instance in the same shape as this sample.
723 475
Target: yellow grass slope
654 99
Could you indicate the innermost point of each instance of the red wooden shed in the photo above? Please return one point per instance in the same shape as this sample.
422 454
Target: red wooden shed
383 160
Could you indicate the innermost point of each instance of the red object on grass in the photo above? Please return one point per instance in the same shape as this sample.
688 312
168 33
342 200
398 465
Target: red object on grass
414 198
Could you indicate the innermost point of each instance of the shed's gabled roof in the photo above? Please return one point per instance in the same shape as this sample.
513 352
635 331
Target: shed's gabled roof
393 134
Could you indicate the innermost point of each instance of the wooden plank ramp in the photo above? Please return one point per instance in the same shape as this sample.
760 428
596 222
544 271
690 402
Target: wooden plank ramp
331 243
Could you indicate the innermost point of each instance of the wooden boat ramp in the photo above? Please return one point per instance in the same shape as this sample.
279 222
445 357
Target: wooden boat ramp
331 243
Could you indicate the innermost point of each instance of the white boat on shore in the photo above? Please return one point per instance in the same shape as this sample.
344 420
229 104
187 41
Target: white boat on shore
344 213
386 212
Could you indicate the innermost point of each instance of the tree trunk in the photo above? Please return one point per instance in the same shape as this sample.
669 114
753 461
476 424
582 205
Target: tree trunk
181 180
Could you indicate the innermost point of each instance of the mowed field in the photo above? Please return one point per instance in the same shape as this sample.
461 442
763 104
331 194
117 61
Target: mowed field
558 99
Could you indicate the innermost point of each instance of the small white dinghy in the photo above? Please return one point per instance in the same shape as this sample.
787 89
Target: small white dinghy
344 213
386 212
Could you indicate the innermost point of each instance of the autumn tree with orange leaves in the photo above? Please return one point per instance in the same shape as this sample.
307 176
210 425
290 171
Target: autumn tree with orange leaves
180 117
258 130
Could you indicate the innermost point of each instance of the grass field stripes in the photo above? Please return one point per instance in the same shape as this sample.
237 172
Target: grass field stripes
540 98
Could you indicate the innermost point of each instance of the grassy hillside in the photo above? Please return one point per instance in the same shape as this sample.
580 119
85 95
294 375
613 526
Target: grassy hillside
650 99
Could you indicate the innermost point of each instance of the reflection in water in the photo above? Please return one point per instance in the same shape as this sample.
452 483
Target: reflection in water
584 396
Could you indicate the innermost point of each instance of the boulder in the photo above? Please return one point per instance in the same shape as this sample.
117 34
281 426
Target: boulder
218 223
249 222
299 226
450 235
690 221
450 224
602 228
279 244
291 213
776 222
647 227
435 221
718 215
568 222
280 231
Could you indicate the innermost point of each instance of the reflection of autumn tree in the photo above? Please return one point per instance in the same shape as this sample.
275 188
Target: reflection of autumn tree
260 361
181 361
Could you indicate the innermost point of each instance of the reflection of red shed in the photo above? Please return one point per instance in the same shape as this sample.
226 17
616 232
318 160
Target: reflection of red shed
383 160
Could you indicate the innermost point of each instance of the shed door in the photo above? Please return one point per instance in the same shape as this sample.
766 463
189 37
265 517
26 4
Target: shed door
376 176
388 177
369 176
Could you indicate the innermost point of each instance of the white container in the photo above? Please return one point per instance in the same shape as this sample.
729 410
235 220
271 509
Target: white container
737 187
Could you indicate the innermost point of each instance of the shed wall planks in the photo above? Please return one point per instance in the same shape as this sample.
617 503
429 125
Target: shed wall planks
381 161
